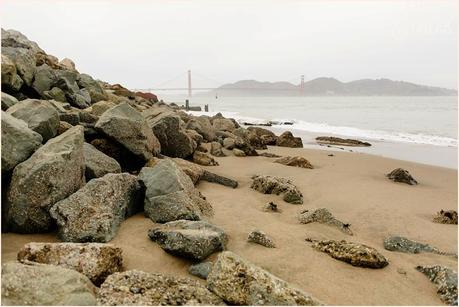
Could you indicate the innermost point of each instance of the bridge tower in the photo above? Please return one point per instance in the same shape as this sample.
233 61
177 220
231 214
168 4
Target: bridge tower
302 86
189 83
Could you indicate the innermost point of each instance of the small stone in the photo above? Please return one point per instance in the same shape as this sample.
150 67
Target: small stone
446 217
401 271
259 237
445 279
322 215
271 207
200 270
401 175
294 161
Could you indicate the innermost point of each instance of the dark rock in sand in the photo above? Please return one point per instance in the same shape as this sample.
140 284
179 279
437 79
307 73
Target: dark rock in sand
277 185
445 279
259 237
201 269
137 288
195 240
287 139
203 158
401 175
339 141
322 215
8 101
95 212
295 161
271 207
402 244
446 217
97 163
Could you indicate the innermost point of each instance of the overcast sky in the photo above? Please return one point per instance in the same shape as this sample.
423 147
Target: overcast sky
142 44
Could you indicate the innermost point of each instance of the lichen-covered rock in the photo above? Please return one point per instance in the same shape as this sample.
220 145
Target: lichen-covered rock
137 288
322 215
43 284
8 101
39 115
195 240
238 152
353 253
287 139
445 279
127 126
259 237
216 149
240 282
339 141
97 163
294 161
201 269
277 185
95 212
446 217
402 244
52 173
18 142
401 175
203 158
94 260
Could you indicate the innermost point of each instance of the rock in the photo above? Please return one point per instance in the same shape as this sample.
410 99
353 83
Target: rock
201 269
229 143
95 91
203 158
170 194
94 260
148 96
401 175
56 94
259 237
15 39
267 137
24 60
137 288
339 141
216 149
238 152
446 217
240 282
203 126
445 279
100 107
39 115
353 253
44 79
128 127
271 207
287 139
211 177
8 101
42 284
97 163
193 170
195 240
277 185
18 142
68 64
322 215
52 173
195 136
224 124
11 82
95 212
294 161
247 142
404 245
269 155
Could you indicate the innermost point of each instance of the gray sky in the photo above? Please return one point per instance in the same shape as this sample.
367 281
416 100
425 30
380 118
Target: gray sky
141 44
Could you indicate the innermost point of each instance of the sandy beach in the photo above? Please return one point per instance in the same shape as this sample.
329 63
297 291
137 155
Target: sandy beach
353 187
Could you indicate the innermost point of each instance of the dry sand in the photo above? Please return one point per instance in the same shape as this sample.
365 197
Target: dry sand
354 188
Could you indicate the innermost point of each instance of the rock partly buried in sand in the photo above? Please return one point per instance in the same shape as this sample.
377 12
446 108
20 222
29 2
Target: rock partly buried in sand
355 254
203 158
402 244
43 284
287 139
322 215
240 282
445 279
95 212
295 161
211 177
19 142
170 194
277 185
259 237
201 269
269 155
94 260
137 288
401 175
195 240
330 140
446 217
97 163
238 152
271 207
52 173
128 127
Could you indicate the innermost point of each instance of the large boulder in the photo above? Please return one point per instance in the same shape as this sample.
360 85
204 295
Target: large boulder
223 124
8 101
24 61
43 284
95 212
195 240
250 138
11 81
44 79
445 279
18 142
39 115
277 185
97 163
240 282
94 260
170 194
128 127
52 173
100 107
267 137
137 288
94 89
15 39
203 126
287 139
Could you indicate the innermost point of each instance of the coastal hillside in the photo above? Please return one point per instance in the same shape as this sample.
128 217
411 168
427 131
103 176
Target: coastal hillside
330 87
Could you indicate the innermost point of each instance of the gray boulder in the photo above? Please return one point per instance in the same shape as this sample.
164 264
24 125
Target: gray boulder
11 82
44 79
127 126
194 240
203 126
201 269
95 212
42 284
445 279
39 115
18 142
277 185
24 60
52 173
8 101
240 282
97 163
223 124
56 94
95 91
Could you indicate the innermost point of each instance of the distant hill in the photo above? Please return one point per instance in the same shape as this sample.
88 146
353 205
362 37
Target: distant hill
331 87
